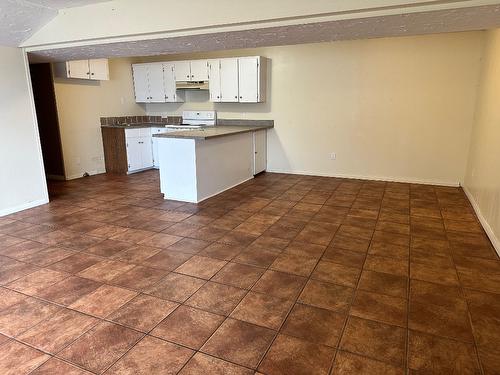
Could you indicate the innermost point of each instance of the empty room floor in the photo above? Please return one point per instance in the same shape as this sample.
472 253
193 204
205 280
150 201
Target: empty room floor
283 274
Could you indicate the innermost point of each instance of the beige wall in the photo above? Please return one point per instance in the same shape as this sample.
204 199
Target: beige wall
482 180
22 179
393 109
80 104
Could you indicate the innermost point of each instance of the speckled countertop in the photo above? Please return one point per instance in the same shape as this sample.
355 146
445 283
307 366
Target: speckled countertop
213 131
136 126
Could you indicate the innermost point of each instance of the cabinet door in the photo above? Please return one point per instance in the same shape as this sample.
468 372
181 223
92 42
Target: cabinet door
141 87
99 69
78 69
199 70
259 151
182 70
169 82
134 157
146 152
155 80
214 80
248 77
229 80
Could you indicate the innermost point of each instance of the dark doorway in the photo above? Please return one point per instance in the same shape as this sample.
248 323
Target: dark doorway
48 123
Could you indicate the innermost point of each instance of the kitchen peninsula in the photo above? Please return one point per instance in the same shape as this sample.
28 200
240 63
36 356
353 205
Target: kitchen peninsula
197 164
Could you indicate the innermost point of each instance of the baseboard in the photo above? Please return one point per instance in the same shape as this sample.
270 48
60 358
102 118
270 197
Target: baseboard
486 226
80 175
372 178
23 207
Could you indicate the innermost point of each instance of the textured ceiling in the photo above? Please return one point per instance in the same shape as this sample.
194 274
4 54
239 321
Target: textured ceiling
464 19
61 4
19 19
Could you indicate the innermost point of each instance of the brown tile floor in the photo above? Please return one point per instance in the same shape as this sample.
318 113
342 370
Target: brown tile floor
281 275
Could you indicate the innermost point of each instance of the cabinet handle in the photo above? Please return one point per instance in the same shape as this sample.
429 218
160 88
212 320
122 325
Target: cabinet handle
92 74
241 97
87 73
236 97
217 96
188 75
192 76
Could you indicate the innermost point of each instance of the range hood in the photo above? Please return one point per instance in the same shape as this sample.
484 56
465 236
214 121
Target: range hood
191 85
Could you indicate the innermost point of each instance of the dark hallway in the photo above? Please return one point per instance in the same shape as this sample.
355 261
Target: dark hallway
48 124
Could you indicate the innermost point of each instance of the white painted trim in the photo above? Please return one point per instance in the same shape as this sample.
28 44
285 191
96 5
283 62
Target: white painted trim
373 178
23 206
486 226
80 175
353 13
35 126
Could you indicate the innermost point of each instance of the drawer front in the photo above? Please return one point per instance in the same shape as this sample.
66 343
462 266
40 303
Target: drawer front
134 133
145 132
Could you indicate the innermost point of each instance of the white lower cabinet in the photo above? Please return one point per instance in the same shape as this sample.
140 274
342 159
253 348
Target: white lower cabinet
259 151
139 149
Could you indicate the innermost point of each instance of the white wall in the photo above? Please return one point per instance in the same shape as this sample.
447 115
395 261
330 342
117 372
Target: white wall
482 181
80 104
392 109
22 179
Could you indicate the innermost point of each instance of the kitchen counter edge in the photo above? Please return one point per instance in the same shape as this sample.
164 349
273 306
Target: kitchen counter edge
213 132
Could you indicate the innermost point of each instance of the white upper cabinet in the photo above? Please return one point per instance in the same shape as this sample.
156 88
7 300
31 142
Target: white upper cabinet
154 83
248 78
99 69
78 69
199 70
141 84
214 80
169 83
95 69
229 80
240 79
196 70
182 70
156 86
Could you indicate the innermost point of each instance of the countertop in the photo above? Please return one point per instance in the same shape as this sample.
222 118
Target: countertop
213 131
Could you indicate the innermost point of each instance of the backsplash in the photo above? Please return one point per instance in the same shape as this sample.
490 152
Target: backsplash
172 120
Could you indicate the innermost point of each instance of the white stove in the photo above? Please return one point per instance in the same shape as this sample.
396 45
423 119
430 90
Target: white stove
199 118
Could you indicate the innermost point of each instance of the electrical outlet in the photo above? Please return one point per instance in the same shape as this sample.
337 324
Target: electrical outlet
333 156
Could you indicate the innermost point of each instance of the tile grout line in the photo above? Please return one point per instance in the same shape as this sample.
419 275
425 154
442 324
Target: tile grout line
353 297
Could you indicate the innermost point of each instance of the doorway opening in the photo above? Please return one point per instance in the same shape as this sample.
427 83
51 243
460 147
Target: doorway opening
48 122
